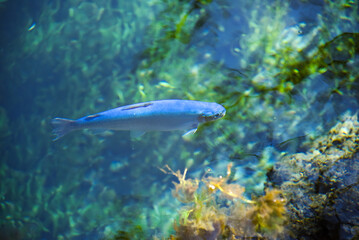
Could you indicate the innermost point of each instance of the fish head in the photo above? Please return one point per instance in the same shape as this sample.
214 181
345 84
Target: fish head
213 112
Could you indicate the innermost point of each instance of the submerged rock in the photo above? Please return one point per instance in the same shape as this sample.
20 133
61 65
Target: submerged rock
322 185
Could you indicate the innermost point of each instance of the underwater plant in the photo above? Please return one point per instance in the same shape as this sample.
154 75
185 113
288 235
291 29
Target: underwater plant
280 76
216 209
185 189
268 214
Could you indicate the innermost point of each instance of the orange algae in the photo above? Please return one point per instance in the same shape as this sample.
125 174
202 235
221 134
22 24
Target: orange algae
185 189
218 210
268 214
229 191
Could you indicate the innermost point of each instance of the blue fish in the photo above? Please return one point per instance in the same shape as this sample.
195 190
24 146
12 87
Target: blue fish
161 115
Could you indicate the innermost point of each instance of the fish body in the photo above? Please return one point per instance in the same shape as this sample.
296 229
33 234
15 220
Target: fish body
161 115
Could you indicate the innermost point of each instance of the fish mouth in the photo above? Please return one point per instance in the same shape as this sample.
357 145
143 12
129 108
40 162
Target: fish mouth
222 113
219 115
219 112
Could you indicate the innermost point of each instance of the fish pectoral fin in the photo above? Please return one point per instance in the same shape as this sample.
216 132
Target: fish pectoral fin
137 134
188 135
190 132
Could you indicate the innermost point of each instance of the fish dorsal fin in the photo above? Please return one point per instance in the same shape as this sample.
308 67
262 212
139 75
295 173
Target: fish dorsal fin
92 117
137 105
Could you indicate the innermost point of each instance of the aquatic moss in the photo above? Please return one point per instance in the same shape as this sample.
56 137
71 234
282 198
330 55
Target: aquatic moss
268 215
185 189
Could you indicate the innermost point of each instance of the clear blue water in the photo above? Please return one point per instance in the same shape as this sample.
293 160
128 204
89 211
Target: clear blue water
284 71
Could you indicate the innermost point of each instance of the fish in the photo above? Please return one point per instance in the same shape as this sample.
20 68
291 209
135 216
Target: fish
139 118
32 27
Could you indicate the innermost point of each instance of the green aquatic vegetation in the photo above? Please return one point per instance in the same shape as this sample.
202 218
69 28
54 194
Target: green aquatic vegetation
46 213
329 57
287 57
203 217
185 189
268 215
82 48
79 44
203 220
169 64
85 28
218 210
173 29
345 13
277 59
281 65
265 217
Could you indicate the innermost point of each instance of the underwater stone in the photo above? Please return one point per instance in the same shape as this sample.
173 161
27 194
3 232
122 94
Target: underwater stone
322 186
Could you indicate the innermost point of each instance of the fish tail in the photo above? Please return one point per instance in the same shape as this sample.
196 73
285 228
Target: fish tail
62 126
